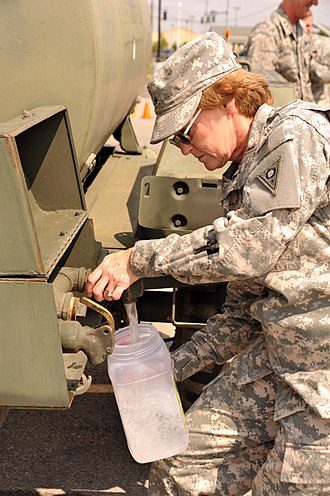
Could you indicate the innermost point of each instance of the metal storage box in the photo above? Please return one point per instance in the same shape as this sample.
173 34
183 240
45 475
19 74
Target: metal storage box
41 200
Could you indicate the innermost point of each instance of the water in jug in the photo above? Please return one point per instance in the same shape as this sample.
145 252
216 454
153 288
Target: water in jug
146 395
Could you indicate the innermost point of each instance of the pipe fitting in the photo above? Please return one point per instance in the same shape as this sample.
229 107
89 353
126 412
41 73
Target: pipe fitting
67 280
96 343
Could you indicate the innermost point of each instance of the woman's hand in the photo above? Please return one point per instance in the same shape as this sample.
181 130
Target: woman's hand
111 277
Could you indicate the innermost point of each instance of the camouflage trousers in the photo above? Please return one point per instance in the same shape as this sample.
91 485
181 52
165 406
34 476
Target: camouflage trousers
235 445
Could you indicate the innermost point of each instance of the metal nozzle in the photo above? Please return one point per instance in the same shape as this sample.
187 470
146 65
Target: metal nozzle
131 294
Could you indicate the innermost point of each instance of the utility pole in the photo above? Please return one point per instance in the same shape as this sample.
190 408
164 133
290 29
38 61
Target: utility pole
159 30
178 29
236 9
152 14
227 14
210 17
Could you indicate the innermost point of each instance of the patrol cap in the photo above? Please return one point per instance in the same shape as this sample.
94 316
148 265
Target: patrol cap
176 87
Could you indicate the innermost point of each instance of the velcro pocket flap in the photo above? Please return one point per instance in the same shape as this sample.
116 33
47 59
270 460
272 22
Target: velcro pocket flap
306 464
313 388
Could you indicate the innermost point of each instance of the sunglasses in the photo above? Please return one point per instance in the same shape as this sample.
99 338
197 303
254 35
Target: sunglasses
183 136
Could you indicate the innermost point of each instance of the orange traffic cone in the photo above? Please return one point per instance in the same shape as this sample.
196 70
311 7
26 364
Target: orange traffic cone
146 112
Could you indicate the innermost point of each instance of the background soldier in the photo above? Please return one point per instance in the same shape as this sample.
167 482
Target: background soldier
264 422
320 62
280 43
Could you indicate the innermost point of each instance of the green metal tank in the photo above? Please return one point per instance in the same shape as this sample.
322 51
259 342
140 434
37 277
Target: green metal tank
91 56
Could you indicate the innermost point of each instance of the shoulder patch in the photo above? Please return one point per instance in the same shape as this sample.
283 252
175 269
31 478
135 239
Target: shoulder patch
269 175
275 182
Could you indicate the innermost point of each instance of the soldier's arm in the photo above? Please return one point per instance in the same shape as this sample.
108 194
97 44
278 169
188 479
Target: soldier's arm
320 60
224 335
261 49
249 247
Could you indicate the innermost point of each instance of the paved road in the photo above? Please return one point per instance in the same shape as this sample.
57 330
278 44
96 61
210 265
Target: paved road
77 452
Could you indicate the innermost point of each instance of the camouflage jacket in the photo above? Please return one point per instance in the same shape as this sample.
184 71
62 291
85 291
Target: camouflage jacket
274 248
274 44
320 68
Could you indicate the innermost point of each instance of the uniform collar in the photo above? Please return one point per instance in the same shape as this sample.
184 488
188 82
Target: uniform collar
235 175
257 134
286 25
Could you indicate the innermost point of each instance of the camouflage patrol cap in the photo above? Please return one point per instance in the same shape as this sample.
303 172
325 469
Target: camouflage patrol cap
176 87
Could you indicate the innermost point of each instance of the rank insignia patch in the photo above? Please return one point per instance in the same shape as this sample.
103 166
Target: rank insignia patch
269 176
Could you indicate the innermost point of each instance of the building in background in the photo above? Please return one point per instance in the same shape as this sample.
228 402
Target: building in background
171 39
236 36
174 37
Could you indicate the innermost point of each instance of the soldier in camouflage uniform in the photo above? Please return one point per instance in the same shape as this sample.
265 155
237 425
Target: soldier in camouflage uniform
264 422
280 43
319 62
320 69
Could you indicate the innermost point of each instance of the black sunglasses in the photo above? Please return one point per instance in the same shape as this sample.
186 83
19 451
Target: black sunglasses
183 136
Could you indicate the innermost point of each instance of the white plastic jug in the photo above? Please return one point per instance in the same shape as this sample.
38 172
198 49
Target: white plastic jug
146 395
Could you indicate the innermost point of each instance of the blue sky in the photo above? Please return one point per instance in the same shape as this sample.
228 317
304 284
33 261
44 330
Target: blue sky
188 13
